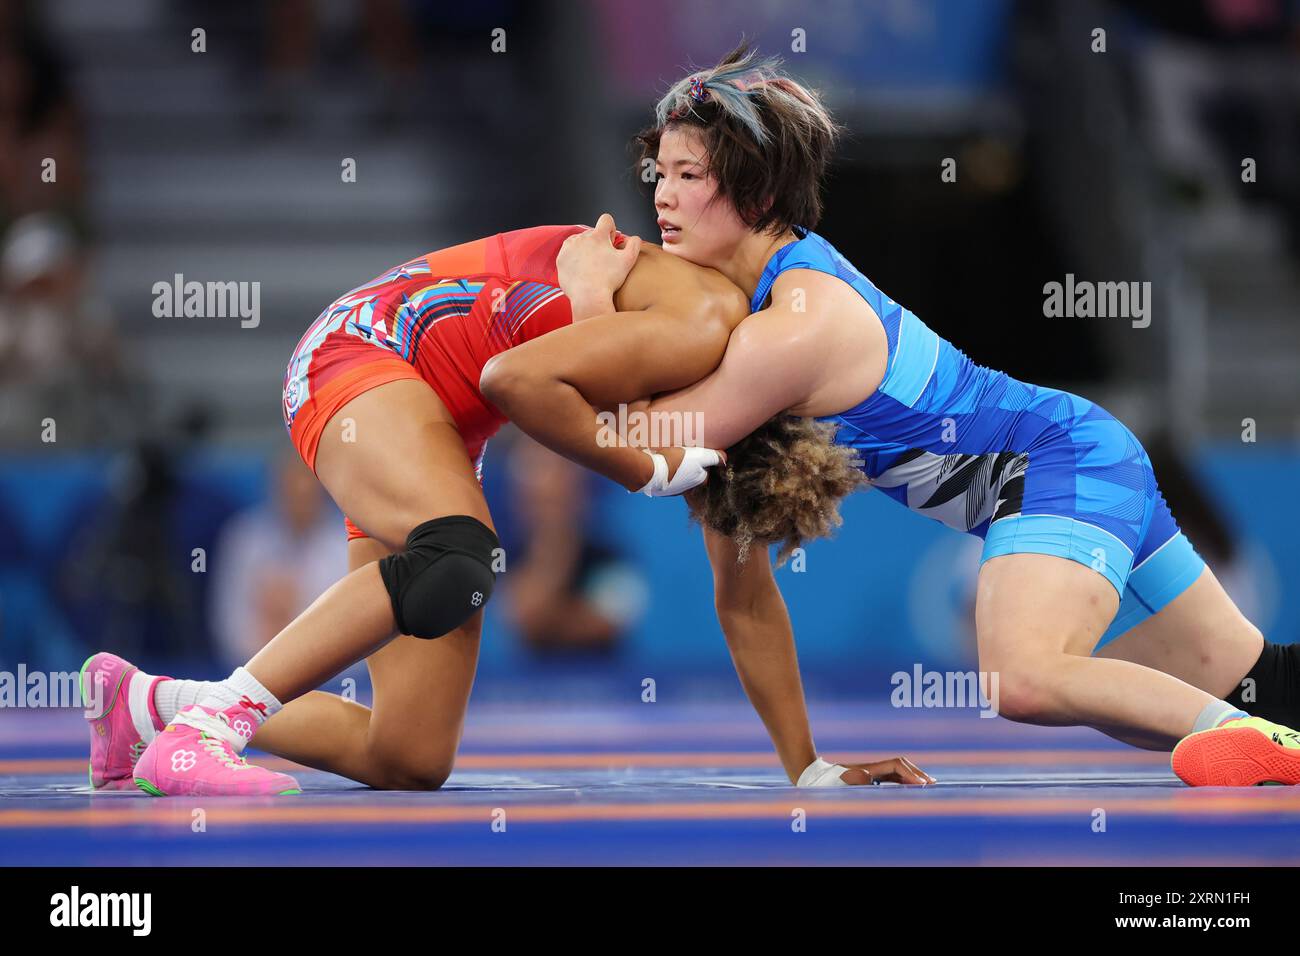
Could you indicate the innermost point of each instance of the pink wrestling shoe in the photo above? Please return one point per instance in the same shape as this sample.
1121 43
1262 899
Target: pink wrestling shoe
118 698
197 755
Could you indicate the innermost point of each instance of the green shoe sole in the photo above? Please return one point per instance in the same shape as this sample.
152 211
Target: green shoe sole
149 788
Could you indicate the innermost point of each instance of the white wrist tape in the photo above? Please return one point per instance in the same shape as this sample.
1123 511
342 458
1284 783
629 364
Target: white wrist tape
820 773
693 471
660 476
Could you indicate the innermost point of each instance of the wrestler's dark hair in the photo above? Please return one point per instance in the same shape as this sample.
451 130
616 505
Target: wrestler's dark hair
768 138
782 484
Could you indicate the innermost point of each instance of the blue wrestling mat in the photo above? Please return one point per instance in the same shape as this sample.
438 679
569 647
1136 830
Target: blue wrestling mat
660 784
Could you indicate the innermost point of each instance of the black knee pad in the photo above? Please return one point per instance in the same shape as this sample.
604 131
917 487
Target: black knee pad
443 577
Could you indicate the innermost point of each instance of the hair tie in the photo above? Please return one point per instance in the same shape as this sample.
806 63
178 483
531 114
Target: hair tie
698 92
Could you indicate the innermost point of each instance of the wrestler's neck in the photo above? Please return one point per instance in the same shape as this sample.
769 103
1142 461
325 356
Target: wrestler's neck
745 265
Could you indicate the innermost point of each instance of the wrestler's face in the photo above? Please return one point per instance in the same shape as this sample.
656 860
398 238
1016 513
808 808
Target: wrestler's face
695 222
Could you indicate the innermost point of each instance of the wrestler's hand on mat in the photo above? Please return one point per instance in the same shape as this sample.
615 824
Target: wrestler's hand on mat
823 773
893 770
594 263
678 469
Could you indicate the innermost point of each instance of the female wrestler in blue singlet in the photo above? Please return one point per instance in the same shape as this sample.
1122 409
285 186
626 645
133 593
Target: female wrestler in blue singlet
1092 606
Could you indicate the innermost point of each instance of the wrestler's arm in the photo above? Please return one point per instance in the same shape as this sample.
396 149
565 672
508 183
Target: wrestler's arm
549 385
770 366
759 636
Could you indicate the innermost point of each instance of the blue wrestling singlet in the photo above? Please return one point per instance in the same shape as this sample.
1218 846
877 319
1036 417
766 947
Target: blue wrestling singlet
1028 469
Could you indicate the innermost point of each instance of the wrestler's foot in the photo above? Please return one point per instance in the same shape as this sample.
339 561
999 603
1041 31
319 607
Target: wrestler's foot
1240 752
197 755
118 698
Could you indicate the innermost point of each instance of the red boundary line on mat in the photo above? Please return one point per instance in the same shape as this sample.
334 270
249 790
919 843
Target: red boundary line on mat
1180 803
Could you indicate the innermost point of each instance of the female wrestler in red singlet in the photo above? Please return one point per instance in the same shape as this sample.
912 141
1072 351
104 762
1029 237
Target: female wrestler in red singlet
382 400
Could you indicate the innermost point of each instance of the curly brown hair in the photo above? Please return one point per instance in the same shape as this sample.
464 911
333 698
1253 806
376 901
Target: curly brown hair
782 483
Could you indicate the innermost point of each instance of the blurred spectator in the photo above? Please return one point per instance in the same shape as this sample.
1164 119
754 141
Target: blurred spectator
567 591
39 120
59 356
294 40
1221 81
273 560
